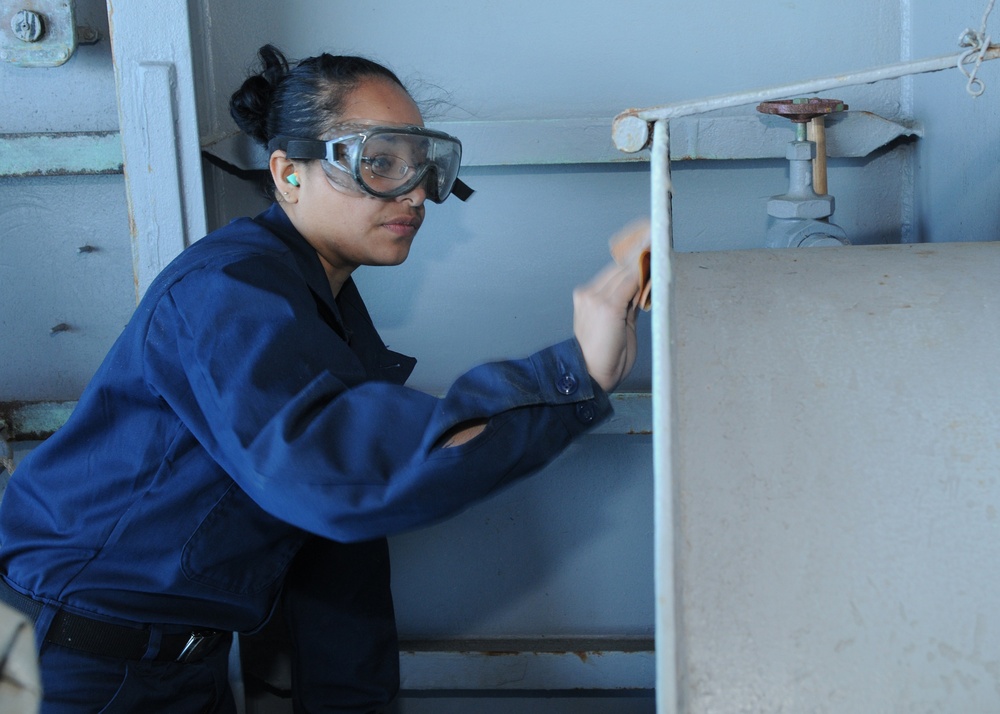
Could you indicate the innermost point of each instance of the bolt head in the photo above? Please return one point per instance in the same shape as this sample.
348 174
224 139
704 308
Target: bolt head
791 207
27 26
630 133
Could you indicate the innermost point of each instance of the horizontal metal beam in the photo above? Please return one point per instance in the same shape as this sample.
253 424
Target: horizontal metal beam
60 154
537 142
527 142
633 415
33 421
528 664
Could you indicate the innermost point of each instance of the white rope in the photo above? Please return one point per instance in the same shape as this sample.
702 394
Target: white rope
978 43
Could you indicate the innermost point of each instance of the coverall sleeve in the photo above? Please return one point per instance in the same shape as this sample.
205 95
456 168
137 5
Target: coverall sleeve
280 403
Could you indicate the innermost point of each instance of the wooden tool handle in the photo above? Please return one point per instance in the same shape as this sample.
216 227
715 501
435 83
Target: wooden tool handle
816 132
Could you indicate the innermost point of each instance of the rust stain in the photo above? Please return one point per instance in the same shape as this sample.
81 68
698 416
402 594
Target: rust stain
133 229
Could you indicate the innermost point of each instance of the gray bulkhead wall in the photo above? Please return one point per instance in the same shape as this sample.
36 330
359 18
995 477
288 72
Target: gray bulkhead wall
957 171
66 287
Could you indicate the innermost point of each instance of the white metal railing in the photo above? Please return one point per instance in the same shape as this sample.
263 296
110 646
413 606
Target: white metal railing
626 131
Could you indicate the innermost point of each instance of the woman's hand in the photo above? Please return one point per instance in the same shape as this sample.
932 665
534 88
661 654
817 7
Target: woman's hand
604 324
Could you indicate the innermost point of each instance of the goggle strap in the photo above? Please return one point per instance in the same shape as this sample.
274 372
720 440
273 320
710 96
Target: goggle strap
303 148
461 190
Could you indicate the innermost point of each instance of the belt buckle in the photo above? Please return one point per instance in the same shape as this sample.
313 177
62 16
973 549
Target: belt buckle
198 643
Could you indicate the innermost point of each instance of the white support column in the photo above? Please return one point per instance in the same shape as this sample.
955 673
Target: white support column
661 231
151 44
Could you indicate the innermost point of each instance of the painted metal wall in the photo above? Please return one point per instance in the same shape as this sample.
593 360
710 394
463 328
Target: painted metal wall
957 174
60 306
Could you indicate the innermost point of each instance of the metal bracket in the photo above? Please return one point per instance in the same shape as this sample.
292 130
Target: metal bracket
40 33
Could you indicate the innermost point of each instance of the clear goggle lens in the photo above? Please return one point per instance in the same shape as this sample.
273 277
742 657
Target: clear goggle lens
387 162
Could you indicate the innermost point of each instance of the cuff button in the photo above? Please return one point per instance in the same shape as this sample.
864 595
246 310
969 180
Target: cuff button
585 412
567 384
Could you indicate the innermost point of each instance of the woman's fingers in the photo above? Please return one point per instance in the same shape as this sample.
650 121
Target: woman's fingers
604 324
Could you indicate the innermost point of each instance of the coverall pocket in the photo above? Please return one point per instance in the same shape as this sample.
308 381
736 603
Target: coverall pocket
149 687
239 547
124 698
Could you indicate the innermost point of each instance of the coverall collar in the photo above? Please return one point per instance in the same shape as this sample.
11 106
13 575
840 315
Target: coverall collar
346 314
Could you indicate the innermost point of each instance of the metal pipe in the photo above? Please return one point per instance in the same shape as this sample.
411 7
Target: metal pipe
627 132
661 233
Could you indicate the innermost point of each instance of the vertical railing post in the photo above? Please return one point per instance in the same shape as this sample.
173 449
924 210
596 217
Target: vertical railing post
661 231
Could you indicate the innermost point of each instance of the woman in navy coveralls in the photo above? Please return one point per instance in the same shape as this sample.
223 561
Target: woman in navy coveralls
247 444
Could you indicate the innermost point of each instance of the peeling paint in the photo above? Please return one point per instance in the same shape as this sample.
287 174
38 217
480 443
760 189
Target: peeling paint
33 421
60 154
529 664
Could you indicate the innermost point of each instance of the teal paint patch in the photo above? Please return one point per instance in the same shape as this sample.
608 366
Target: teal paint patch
60 154
28 421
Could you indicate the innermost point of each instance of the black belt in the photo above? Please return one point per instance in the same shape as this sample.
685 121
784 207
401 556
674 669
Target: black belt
109 640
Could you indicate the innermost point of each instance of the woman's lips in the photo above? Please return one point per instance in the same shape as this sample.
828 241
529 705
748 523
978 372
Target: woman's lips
402 226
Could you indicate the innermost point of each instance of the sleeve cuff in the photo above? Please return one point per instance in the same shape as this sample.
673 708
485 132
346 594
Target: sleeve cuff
563 379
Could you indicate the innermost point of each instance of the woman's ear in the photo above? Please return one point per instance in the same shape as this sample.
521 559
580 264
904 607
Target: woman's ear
283 172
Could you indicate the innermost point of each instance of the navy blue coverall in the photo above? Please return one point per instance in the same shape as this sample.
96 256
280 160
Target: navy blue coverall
246 419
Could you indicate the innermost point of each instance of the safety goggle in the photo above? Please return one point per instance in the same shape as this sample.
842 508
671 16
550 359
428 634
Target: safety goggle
387 161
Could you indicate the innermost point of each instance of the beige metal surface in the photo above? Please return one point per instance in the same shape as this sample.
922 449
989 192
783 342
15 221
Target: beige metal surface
837 448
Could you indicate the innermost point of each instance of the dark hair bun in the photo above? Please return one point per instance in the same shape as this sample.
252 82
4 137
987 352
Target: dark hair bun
250 106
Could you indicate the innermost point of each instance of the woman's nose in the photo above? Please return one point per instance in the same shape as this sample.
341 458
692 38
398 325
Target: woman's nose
417 195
